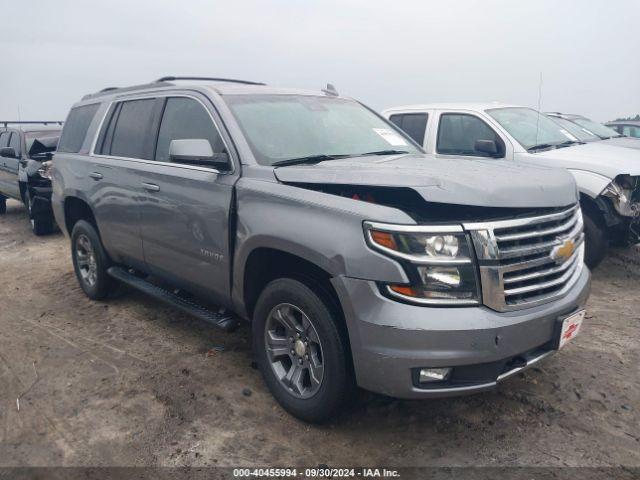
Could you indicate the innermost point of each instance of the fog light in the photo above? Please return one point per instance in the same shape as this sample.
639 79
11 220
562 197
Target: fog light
428 375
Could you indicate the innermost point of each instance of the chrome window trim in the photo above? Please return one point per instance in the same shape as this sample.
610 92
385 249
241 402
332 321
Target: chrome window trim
155 95
166 164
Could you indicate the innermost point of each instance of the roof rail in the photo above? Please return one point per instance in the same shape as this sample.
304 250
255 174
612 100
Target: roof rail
210 79
30 122
108 90
160 81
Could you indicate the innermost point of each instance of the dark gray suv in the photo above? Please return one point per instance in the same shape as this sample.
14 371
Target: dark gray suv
26 148
358 259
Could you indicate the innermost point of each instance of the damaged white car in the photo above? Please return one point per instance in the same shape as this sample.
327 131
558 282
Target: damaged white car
608 176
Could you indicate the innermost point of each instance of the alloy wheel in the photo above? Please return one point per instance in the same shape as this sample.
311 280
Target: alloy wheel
86 260
294 350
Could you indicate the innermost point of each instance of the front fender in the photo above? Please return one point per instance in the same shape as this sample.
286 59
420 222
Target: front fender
590 183
321 228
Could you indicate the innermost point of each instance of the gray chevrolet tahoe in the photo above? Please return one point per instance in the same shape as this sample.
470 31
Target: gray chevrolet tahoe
358 259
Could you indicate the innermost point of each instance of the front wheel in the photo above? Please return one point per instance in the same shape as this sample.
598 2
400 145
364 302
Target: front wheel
90 261
41 224
596 239
302 350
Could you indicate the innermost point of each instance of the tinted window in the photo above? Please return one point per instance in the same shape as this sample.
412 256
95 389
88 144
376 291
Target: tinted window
14 141
414 124
75 128
132 124
4 139
458 133
631 131
396 119
186 118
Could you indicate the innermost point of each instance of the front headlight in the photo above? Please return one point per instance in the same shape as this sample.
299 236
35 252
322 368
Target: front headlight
438 261
621 192
45 169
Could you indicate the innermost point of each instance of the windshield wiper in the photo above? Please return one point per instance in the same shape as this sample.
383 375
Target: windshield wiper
540 146
383 152
309 159
568 143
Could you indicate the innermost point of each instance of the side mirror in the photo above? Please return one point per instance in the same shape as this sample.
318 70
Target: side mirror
486 146
196 151
8 152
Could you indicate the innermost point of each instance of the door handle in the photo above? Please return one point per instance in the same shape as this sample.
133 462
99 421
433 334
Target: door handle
151 187
96 175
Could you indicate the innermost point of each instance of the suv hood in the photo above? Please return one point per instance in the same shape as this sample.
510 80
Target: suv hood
597 157
628 142
485 183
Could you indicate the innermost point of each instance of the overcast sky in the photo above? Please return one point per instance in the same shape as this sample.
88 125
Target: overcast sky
381 52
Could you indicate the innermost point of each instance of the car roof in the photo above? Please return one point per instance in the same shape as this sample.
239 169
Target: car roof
624 122
38 127
567 116
219 86
454 106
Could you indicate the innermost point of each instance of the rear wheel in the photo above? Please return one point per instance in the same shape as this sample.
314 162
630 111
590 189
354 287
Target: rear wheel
596 240
90 261
302 350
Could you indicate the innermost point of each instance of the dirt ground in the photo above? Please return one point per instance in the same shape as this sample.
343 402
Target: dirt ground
132 382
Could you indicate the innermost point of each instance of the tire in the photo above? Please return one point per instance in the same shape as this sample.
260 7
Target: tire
596 240
310 400
41 224
90 261
3 205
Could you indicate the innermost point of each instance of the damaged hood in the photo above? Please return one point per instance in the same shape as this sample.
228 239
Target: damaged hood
485 183
597 157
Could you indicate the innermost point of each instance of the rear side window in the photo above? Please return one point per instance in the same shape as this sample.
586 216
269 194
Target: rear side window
75 128
458 133
631 131
132 123
185 118
4 139
15 141
413 124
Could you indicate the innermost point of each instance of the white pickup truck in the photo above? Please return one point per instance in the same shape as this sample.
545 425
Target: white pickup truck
608 177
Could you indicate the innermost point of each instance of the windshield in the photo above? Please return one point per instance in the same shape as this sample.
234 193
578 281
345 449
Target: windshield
531 128
576 130
285 127
596 128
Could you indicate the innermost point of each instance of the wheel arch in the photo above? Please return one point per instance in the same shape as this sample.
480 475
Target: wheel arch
264 264
76 208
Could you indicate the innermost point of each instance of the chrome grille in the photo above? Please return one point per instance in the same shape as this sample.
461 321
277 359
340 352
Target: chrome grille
528 261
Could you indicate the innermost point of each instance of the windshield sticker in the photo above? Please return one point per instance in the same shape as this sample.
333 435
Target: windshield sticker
568 135
391 137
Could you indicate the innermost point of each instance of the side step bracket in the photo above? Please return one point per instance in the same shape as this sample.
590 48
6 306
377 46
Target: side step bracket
220 319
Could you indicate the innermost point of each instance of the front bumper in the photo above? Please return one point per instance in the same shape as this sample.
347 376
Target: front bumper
391 340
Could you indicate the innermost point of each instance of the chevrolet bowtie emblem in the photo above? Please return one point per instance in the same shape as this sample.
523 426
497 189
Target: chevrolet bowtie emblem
563 252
